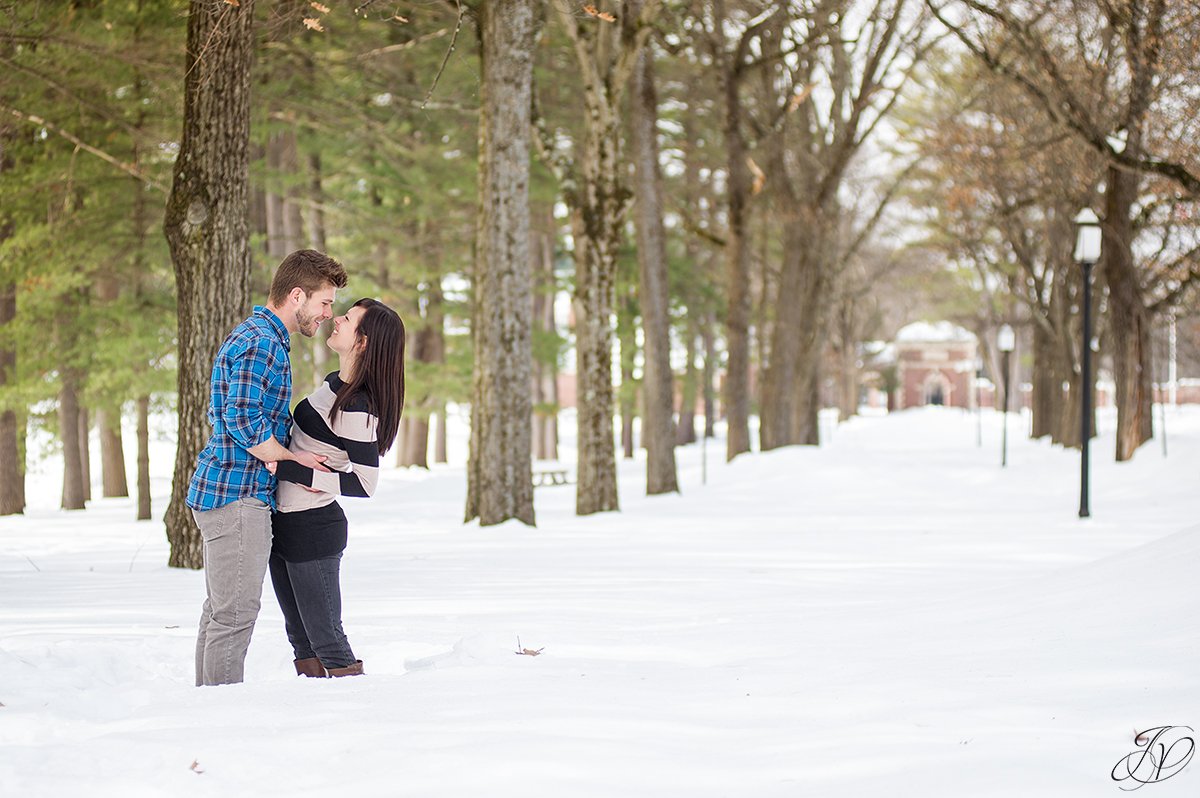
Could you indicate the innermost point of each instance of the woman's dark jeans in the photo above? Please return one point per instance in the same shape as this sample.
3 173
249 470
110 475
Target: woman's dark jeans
310 596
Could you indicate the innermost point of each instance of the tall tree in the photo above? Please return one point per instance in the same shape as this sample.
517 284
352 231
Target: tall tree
606 50
499 471
865 53
546 342
658 394
733 56
12 455
206 229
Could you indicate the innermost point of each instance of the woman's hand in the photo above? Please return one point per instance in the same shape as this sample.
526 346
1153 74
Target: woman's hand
272 466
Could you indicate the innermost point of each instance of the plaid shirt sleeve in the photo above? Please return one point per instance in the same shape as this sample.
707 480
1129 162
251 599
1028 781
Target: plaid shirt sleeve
249 380
251 387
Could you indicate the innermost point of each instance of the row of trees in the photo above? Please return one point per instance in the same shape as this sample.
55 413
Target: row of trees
759 186
1060 106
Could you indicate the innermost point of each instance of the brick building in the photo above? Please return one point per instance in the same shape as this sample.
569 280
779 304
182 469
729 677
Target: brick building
935 365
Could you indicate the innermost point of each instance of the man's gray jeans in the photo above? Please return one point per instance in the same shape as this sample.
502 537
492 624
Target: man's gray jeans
237 547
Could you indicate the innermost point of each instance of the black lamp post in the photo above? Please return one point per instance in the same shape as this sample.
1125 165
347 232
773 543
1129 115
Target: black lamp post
1005 341
1088 240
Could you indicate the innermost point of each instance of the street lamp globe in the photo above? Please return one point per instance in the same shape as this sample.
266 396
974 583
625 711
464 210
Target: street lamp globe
1087 237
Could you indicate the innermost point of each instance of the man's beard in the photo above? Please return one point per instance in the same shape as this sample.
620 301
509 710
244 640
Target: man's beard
306 323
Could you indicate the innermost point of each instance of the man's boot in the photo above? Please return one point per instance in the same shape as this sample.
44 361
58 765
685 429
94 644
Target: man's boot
350 670
311 667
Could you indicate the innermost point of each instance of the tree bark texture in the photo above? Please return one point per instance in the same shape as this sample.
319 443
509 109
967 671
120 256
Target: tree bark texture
736 390
143 458
499 469
708 374
85 444
113 480
789 391
439 443
428 346
68 430
545 371
627 396
685 430
1128 318
606 56
416 442
12 432
596 215
658 394
1041 399
205 226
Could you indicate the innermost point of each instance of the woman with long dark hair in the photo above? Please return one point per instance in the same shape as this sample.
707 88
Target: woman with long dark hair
350 420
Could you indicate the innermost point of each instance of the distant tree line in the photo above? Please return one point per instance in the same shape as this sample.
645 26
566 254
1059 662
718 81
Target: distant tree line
736 196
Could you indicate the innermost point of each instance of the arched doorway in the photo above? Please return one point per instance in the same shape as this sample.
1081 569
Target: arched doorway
936 390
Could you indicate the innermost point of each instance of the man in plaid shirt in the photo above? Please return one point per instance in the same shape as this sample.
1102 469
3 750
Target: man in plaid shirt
232 492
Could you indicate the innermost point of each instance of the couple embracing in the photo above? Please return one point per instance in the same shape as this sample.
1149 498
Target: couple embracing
266 485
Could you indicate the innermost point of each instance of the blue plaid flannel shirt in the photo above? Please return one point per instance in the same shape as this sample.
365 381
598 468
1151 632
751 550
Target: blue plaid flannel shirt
251 391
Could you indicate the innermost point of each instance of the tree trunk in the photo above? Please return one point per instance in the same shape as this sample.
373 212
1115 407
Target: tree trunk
12 433
112 455
439 445
606 57
685 430
847 360
736 390
545 365
789 391
627 396
597 232
316 217
316 240
499 469
68 430
205 226
113 480
85 448
142 404
1047 393
429 346
414 427
658 393
401 443
143 458
696 301
416 443
710 360
1128 317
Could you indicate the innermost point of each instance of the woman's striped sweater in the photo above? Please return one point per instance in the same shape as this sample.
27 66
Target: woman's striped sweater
349 444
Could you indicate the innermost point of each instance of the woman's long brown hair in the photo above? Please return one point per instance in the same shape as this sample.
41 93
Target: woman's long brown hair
379 369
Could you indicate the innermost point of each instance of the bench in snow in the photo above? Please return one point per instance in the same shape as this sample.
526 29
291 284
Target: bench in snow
549 476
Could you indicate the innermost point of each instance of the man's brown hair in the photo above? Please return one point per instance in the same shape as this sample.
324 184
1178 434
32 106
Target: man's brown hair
308 270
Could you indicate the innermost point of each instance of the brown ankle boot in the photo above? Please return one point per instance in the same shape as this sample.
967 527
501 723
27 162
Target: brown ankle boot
310 667
350 670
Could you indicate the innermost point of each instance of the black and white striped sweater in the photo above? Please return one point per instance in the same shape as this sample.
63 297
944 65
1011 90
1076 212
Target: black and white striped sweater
350 446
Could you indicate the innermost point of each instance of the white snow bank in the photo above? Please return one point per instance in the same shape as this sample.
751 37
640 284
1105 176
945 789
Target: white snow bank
892 614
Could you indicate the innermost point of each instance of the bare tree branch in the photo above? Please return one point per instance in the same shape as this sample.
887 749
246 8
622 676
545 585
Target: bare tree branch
99 153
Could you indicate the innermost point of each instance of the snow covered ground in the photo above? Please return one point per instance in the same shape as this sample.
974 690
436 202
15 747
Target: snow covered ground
891 614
